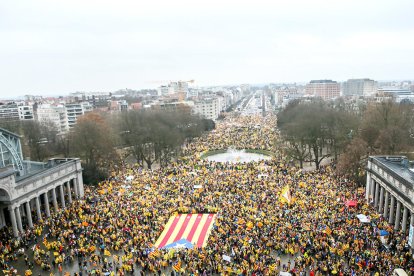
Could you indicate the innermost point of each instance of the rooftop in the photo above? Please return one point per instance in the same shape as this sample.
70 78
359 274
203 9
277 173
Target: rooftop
322 81
34 168
399 165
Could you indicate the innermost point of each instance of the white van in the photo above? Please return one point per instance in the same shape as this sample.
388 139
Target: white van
399 272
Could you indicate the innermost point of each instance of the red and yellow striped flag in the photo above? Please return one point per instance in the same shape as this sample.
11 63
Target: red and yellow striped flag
154 254
177 266
194 228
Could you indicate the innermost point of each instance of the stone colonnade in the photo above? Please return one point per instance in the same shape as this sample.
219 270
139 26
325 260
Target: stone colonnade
391 206
41 202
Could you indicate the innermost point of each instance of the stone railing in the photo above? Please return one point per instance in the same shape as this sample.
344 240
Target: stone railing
57 173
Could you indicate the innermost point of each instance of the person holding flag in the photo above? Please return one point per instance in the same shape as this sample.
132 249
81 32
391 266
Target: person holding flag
285 196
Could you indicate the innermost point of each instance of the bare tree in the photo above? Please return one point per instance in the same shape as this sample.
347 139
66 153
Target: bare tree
156 136
353 161
92 140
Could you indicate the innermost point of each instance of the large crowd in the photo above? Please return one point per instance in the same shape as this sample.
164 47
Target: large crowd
112 230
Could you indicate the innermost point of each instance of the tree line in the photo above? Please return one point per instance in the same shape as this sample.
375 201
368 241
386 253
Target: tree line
315 130
101 140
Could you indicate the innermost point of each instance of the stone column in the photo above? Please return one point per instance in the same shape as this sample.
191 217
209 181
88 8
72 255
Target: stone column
377 189
62 196
386 203
19 219
47 209
381 200
69 192
368 187
55 204
13 221
397 216
79 181
412 223
392 206
404 220
39 214
372 190
75 186
29 214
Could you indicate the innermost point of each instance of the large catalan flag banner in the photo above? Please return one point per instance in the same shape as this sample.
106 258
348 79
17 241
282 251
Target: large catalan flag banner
186 231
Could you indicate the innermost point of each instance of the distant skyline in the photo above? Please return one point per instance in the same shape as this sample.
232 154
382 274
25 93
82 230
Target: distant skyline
57 47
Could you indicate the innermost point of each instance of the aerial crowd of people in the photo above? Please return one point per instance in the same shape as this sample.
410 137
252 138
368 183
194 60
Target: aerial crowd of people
113 229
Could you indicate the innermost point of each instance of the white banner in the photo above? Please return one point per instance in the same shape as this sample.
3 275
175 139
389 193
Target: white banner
410 236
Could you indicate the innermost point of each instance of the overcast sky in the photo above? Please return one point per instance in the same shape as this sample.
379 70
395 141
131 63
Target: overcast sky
57 47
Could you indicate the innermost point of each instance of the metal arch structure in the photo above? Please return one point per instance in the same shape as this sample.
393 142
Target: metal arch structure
10 150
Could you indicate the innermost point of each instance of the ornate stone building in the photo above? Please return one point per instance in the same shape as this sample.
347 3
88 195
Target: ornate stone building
28 190
390 188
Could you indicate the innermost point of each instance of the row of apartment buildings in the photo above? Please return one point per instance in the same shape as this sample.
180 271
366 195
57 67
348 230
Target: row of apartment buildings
14 111
208 103
64 112
63 116
329 89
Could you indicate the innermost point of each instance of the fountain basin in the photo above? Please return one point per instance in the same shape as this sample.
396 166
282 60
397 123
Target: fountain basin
237 156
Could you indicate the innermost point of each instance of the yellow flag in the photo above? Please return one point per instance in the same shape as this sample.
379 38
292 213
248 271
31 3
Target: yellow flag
285 196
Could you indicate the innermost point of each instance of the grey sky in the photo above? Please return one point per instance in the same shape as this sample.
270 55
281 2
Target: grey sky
54 47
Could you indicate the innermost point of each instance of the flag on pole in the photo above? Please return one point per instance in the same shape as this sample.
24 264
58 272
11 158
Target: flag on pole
177 266
285 196
154 254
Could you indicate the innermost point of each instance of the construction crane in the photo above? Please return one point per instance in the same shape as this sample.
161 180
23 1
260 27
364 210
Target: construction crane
190 81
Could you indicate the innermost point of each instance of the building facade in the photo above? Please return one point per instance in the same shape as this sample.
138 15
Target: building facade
209 108
16 111
163 90
325 89
29 191
9 112
75 110
121 105
54 114
389 188
25 112
359 87
397 95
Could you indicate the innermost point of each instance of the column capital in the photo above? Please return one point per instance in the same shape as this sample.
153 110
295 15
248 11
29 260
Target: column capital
14 206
